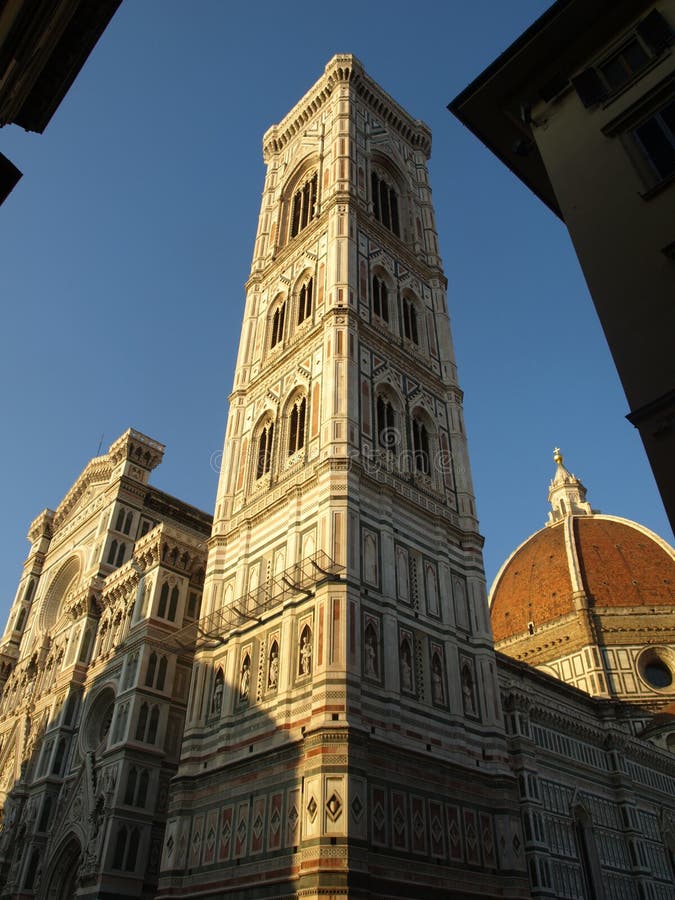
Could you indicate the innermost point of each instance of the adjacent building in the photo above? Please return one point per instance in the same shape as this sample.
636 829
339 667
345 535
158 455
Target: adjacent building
43 46
582 109
93 697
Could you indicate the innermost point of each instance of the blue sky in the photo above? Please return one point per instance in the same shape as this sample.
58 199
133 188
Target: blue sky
125 247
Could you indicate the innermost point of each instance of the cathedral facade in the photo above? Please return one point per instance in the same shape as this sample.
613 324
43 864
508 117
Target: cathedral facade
302 698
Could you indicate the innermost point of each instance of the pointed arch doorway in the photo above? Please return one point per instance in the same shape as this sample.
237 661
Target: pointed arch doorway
64 871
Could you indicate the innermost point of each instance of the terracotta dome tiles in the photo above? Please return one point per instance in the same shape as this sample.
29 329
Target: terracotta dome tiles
534 586
621 565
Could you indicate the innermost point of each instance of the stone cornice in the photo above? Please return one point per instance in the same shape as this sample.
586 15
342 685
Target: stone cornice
346 69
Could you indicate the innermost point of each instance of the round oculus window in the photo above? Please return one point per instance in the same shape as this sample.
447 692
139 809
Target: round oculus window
655 665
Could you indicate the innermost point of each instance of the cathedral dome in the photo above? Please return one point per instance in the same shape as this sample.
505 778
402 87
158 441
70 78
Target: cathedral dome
579 556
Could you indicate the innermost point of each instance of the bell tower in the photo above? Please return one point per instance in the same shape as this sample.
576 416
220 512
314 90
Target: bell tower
344 734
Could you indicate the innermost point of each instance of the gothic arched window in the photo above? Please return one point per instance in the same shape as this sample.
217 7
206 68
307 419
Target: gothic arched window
380 299
385 418
420 436
142 795
120 554
278 320
120 847
173 603
305 301
265 449
152 725
303 205
410 329
296 432
131 786
142 721
161 674
152 666
112 553
385 203
163 600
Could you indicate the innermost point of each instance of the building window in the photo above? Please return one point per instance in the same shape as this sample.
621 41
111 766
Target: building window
163 600
112 553
305 301
420 437
173 604
655 139
648 40
161 674
150 674
620 68
385 416
303 208
265 450
296 433
385 203
410 321
380 299
278 320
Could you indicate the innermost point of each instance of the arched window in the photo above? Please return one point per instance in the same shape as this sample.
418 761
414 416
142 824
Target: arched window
161 674
59 757
385 418
420 437
152 666
20 619
120 554
32 869
112 553
120 520
86 645
30 590
43 824
173 603
132 850
380 299
410 320
305 301
120 847
193 605
278 320
385 203
127 523
303 206
296 433
142 721
143 788
265 450
163 600
131 786
152 726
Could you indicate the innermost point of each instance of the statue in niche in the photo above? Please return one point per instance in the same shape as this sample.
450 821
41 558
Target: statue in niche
245 678
467 692
217 701
437 680
305 654
371 666
273 673
406 667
